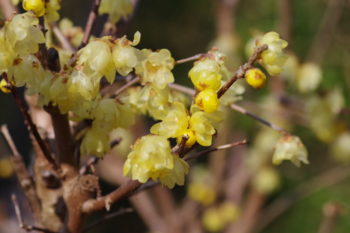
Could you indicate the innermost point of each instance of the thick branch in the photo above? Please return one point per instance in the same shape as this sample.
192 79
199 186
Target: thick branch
105 201
64 139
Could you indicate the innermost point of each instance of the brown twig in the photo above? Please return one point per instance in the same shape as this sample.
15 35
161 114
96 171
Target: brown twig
26 227
212 149
105 201
61 38
23 175
188 59
125 86
90 22
30 124
242 69
257 118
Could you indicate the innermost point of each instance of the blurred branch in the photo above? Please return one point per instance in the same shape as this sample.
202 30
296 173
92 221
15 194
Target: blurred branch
285 22
23 176
90 22
225 16
309 187
62 38
331 212
8 9
27 228
257 118
326 31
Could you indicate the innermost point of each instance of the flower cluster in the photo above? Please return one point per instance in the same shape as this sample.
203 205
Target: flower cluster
151 157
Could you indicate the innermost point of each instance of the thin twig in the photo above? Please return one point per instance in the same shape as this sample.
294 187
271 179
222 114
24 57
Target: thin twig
90 22
212 149
61 38
125 86
257 118
188 59
106 218
242 69
22 225
30 124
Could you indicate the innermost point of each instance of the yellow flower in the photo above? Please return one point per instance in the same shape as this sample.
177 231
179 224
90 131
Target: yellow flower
207 100
255 78
290 148
116 9
37 6
174 124
4 86
202 127
125 55
273 58
206 74
155 67
97 61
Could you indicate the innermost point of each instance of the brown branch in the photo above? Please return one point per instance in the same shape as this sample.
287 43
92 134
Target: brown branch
30 124
188 59
242 69
61 38
257 118
26 227
90 22
105 201
63 136
285 22
23 176
8 9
